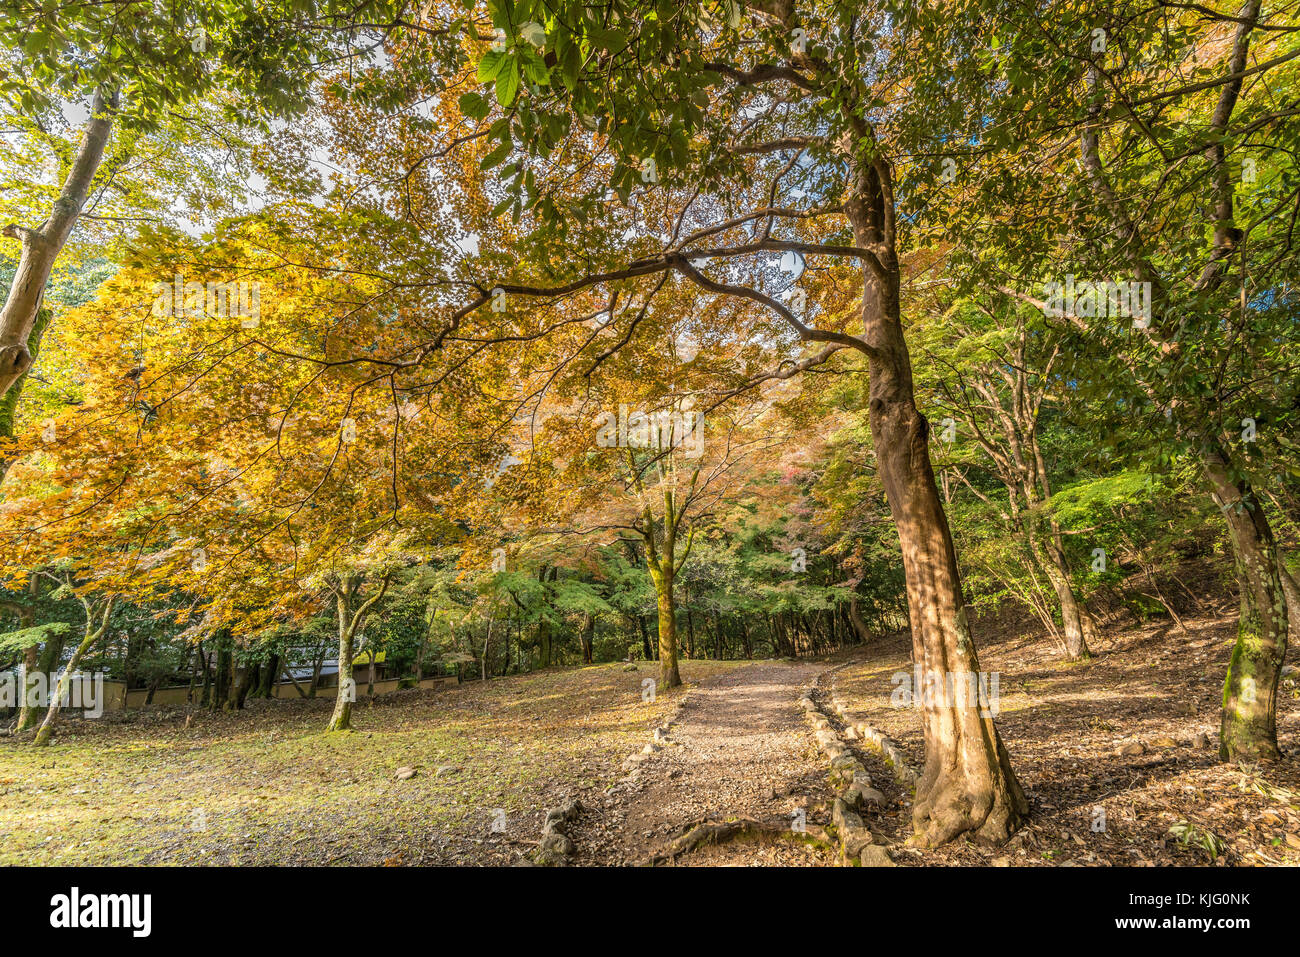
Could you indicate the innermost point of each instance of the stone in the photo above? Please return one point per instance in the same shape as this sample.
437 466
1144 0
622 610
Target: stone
554 848
869 796
1133 747
843 817
854 839
873 855
629 667
405 774
1290 671
650 748
851 733
1164 742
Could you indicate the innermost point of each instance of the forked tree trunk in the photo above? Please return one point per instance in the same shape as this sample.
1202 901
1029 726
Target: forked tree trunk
1248 727
94 631
347 590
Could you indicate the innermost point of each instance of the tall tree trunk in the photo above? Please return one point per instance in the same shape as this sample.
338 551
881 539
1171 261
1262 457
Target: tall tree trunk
968 784
205 695
239 680
1248 727
268 675
56 693
1050 559
9 401
221 682
690 629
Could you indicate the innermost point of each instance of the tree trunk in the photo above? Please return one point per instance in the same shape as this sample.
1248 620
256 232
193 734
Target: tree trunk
266 688
221 683
690 629
967 784
41 246
645 639
1248 728
9 401
28 708
859 626
669 675
56 694
206 693
341 719
238 689
1076 621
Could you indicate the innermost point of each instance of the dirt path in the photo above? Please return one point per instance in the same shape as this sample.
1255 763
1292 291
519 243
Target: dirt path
739 749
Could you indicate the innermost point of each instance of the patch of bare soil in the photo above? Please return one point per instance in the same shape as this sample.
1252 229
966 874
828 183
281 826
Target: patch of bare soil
739 751
1118 755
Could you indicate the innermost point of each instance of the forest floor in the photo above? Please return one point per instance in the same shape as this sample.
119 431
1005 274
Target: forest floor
268 786
464 776
1107 750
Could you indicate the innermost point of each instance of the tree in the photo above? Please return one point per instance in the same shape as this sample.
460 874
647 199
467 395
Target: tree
994 372
97 607
348 590
136 62
740 119
1154 138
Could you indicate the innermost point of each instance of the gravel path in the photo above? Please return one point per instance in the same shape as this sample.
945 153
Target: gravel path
740 749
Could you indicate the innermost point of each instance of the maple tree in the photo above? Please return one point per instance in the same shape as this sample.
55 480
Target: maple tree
554 317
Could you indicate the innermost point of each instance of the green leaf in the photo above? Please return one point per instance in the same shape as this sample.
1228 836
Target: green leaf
497 156
474 105
491 65
508 82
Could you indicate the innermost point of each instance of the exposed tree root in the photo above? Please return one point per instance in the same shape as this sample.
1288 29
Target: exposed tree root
707 832
704 832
